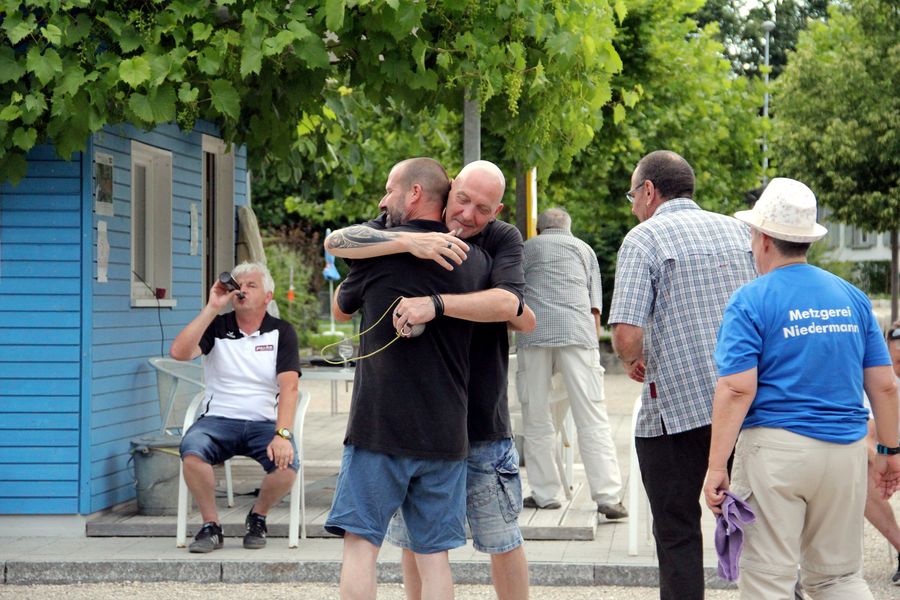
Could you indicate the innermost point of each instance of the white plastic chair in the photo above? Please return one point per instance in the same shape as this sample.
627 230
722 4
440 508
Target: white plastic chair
637 498
178 383
298 490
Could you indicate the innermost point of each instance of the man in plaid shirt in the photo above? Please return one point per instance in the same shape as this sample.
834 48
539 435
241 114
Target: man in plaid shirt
675 273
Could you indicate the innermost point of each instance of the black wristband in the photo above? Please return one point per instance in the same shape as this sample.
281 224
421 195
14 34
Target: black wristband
438 305
886 450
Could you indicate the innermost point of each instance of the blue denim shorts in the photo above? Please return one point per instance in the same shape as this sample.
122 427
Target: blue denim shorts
216 439
493 499
371 486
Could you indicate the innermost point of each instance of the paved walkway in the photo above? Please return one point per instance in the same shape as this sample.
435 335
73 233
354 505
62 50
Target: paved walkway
36 554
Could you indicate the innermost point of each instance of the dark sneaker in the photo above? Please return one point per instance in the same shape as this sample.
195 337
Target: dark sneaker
530 502
255 538
612 511
209 538
896 578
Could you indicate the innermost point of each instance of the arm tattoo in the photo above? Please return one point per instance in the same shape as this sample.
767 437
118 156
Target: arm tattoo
357 236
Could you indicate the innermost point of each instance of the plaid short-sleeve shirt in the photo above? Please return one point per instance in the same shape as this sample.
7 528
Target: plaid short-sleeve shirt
562 286
674 276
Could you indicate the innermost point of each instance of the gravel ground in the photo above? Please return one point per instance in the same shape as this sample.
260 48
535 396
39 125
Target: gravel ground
310 591
321 591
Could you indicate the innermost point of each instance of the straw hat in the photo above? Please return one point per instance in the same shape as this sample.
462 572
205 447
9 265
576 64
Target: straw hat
785 211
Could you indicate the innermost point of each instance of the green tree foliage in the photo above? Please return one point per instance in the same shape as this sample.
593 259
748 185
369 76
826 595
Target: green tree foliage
69 67
540 68
838 114
706 114
258 68
741 32
349 150
283 257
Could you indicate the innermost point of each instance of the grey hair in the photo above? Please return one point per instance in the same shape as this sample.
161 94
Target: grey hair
554 218
256 267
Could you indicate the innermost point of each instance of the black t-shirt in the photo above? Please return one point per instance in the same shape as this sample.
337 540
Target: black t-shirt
489 356
410 399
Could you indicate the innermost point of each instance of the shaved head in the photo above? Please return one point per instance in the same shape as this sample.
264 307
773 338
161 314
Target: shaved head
488 173
476 197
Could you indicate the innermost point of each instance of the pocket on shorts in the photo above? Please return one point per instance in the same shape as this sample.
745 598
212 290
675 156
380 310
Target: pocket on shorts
510 495
739 481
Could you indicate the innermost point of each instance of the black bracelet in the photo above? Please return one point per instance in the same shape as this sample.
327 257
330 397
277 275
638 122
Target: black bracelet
438 305
887 450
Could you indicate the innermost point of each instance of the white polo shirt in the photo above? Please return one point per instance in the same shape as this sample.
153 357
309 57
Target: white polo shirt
241 369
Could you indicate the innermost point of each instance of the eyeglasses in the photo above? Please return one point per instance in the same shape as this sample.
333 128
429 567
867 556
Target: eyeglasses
893 337
630 193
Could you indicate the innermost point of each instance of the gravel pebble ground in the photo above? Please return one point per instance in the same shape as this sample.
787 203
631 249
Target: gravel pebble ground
309 591
322 591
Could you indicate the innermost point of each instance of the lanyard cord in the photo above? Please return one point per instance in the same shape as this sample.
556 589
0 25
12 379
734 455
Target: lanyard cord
397 336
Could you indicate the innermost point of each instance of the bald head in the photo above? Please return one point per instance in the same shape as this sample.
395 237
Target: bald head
476 197
488 174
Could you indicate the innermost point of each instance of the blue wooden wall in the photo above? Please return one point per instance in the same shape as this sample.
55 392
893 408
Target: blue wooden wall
76 385
41 231
124 402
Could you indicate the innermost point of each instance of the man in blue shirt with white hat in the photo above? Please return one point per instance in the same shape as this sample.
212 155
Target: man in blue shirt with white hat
795 347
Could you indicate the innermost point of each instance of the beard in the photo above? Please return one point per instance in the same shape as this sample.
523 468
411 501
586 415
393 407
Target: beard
394 217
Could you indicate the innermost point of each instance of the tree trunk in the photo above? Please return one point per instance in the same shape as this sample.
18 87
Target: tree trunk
895 275
471 127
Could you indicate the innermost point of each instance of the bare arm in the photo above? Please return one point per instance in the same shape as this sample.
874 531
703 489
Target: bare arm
288 385
186 345
881 388
734 395
596 314
524 323
628 342
487 306
339 315
361 241
280 450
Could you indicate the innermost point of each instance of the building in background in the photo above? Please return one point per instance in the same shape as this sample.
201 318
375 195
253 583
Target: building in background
104 258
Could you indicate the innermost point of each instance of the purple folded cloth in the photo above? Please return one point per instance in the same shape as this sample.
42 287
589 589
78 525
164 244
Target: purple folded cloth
730 534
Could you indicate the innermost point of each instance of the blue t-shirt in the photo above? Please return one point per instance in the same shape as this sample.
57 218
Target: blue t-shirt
810 334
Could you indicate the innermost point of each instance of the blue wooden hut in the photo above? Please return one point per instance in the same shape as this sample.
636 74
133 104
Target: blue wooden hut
103 259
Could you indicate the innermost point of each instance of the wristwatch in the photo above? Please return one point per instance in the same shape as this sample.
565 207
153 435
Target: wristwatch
285 433
887 450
